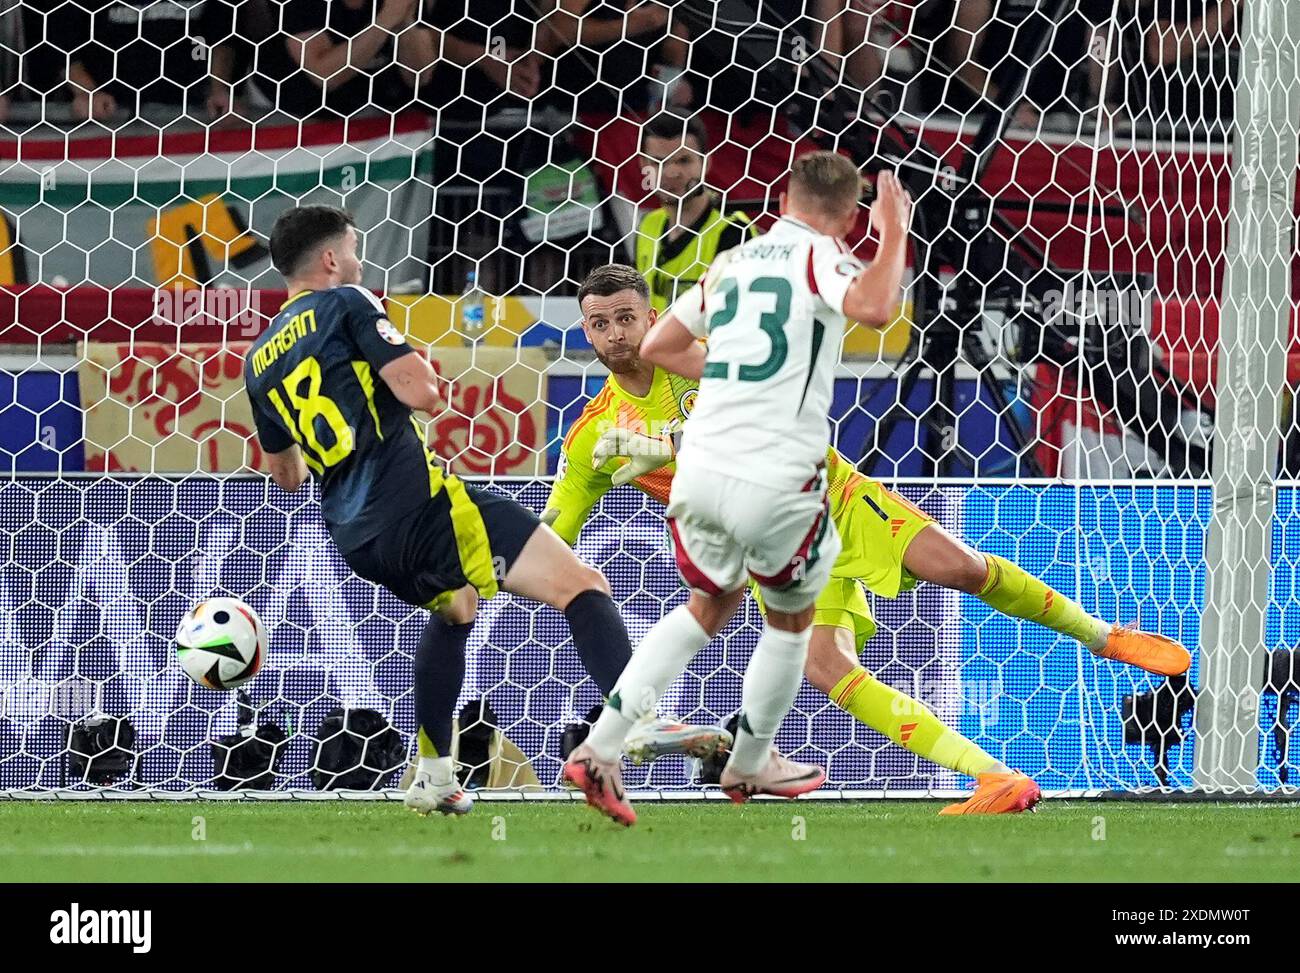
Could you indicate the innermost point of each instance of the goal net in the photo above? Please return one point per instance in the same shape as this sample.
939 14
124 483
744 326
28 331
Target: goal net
1048 390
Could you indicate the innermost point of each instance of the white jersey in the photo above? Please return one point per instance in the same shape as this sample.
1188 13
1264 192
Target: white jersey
772 310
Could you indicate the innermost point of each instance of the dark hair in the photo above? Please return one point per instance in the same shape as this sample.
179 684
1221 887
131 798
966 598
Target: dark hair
670 125
827 180
612 278
300 231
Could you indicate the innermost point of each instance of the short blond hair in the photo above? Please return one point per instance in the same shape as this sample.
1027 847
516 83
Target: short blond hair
826 181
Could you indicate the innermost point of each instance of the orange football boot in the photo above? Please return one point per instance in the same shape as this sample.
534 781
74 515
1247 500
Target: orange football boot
1007 793
1146 650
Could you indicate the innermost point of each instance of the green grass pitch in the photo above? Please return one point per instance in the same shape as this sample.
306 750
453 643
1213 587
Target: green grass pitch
804 841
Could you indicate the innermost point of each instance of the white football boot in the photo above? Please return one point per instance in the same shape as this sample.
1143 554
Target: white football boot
780 776
660 737
424 796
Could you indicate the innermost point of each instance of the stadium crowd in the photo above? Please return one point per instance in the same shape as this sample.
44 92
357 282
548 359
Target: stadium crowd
1171 63
505 79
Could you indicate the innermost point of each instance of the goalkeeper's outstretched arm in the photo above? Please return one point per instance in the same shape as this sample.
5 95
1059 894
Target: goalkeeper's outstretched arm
578 486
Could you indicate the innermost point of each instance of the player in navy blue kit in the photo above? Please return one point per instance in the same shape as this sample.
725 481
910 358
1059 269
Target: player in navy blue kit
332 384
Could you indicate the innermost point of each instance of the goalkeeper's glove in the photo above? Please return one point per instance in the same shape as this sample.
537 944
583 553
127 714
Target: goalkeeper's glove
550 515
644 454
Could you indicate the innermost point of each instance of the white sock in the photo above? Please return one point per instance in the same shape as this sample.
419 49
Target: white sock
439 769
771 682
663 654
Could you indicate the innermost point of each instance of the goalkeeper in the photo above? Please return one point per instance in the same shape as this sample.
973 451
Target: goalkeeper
625 435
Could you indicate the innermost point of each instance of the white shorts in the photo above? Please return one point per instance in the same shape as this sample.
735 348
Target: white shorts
726 531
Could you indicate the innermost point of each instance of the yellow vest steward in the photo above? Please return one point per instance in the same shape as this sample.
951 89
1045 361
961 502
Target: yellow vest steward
673 266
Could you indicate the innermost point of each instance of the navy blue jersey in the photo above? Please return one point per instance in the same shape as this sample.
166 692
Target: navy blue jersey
313 379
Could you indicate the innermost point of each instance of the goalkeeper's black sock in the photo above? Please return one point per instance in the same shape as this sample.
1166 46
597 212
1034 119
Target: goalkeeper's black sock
600 637
439 674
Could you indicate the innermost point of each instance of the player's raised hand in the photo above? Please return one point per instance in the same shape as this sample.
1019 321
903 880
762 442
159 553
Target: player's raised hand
891 213
644 453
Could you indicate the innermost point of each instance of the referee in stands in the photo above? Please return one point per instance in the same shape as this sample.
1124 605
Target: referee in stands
676 243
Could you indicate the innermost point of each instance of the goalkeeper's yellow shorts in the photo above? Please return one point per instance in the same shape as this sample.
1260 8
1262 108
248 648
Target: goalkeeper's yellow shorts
842 604
876 526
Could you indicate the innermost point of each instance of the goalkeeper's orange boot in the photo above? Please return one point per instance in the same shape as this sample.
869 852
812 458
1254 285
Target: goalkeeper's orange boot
1005 793
1146 650
780 776
602 782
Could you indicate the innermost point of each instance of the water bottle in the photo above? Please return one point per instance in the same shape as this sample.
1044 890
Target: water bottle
471 310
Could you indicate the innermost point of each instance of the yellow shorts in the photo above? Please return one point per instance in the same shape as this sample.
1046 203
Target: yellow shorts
876 526
842 604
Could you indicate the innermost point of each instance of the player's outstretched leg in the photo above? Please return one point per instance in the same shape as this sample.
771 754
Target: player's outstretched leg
771 682
935 555
667 649
548 570
833 668
439 673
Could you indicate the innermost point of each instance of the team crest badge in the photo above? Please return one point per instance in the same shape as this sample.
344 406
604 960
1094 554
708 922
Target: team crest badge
686 404
389 333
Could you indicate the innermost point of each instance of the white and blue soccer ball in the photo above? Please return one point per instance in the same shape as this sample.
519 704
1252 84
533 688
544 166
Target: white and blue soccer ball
221 643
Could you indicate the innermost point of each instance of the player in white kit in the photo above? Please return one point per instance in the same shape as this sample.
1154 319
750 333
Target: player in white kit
749 496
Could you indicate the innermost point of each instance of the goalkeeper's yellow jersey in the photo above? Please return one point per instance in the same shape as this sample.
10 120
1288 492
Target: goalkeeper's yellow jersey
578 484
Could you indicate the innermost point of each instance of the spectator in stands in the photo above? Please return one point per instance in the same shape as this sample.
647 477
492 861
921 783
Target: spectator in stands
42 70
354 54
849 42
249 54
607 52
129 53
974 50
755 67
672 87
676 242
484 105
342 56
493 62
950 35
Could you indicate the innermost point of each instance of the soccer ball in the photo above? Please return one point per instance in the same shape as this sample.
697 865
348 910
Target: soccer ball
221 643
